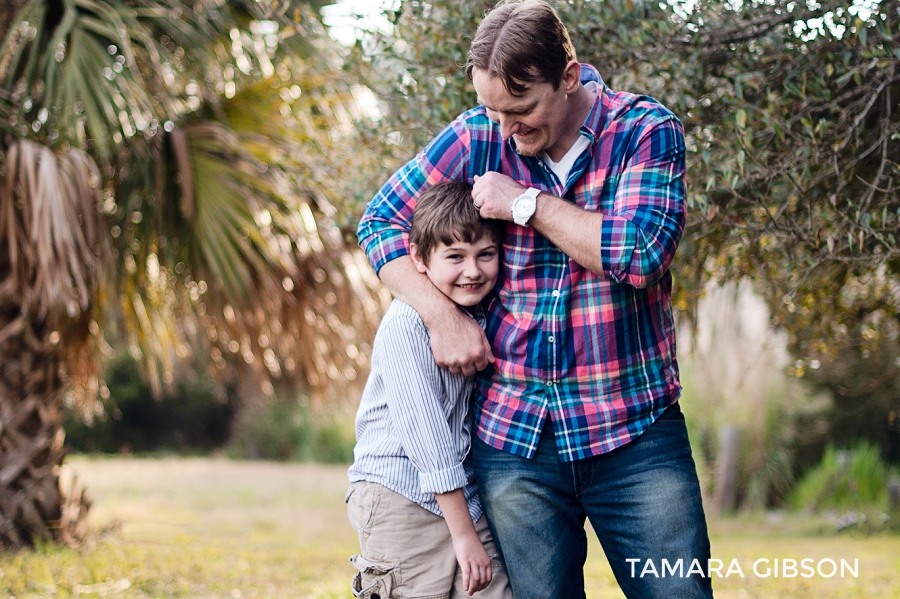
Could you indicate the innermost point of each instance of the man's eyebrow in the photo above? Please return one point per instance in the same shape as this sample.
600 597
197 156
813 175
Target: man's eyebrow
515 110
523 108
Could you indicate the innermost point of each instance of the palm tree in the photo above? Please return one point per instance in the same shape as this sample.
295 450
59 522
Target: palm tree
171 170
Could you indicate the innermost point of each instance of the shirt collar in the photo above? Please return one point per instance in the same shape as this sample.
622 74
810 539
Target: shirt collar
593 124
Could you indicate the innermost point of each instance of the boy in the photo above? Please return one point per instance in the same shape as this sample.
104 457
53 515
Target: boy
412 498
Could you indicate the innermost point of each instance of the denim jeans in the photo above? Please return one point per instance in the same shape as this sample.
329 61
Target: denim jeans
642 499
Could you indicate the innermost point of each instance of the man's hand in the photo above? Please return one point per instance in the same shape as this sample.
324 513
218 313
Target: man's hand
493 194
572 229
473 561
458 343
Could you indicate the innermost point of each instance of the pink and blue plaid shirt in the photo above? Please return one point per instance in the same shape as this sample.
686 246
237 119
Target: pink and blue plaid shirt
595 353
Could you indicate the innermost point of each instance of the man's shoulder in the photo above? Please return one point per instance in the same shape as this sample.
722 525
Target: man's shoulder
633 109
476 119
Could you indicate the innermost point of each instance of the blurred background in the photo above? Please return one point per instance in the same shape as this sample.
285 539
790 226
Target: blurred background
180 184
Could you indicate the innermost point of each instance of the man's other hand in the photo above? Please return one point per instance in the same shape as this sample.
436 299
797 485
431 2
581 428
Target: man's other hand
493 194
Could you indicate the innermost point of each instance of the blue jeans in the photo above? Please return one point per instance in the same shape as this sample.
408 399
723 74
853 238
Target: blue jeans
642 499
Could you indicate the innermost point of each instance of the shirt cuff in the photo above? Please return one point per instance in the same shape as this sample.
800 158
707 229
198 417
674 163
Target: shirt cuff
390 245
618 237
443 481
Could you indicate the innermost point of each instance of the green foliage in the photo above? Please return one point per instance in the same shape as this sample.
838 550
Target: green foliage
207 131
288 431
732 372
844 479
791 125
863 381
193 418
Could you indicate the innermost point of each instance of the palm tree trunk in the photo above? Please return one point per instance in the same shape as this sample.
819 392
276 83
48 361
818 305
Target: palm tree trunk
8 10
32 505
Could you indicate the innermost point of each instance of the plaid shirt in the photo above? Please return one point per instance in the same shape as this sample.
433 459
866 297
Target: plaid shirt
594 352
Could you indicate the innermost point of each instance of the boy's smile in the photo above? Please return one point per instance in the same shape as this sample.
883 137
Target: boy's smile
464 272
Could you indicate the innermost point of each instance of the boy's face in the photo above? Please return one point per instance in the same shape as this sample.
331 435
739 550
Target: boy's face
464 272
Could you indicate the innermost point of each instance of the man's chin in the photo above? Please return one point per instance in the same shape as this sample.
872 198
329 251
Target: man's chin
530 151
524 148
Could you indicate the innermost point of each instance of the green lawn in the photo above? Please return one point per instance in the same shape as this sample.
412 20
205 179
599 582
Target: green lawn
190 527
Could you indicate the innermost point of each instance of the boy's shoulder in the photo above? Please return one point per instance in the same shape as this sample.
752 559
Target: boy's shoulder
401 315
402 312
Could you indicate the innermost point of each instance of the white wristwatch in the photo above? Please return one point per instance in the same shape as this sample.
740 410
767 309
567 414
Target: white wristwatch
523 207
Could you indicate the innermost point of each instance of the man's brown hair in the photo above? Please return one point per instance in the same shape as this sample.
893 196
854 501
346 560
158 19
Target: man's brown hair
521 42
445 214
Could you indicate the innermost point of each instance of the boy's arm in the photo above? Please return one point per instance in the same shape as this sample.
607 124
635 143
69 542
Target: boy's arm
473 559
413 391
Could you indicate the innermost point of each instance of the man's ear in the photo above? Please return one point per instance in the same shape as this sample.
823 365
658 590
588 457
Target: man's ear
571 76
417 259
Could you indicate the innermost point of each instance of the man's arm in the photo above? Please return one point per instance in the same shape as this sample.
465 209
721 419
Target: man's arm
457 342
572 229
633 244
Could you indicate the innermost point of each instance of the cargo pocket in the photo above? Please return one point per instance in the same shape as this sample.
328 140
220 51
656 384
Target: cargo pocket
374 579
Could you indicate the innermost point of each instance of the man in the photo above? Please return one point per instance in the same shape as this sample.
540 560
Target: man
577 416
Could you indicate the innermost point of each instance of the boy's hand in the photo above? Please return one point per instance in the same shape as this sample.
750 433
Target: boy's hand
473 559
474 563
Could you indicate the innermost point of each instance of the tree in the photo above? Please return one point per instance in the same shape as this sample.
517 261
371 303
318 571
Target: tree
167 171
792 131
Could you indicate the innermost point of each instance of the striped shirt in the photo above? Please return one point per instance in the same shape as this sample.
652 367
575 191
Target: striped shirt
413 430
595 352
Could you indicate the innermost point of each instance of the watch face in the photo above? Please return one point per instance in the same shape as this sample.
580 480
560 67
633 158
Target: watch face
525 206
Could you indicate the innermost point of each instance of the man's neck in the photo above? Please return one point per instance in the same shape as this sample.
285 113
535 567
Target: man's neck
579 105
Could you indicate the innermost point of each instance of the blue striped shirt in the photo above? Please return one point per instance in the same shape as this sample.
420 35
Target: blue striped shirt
413 429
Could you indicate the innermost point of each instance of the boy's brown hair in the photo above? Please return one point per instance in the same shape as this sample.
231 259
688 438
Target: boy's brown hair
446 214
521 42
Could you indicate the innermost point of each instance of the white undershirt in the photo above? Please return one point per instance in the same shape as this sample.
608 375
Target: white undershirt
564 166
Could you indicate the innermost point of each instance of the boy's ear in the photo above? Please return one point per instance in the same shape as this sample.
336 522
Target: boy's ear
417 259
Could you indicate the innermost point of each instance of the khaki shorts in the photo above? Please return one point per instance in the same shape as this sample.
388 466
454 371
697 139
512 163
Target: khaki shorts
406 551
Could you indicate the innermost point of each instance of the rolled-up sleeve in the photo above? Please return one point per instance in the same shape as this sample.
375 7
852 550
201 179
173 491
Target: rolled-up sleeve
413 392
383 231
638 240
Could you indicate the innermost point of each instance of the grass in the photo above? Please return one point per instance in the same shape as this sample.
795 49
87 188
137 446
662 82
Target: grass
197 527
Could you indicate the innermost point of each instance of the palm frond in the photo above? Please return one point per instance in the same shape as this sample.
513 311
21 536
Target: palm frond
48 223
219 180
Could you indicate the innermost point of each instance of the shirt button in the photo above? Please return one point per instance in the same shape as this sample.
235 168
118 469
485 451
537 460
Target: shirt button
556 293
549 383
551 339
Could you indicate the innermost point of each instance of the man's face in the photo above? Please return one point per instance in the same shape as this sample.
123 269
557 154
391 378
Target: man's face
535 120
